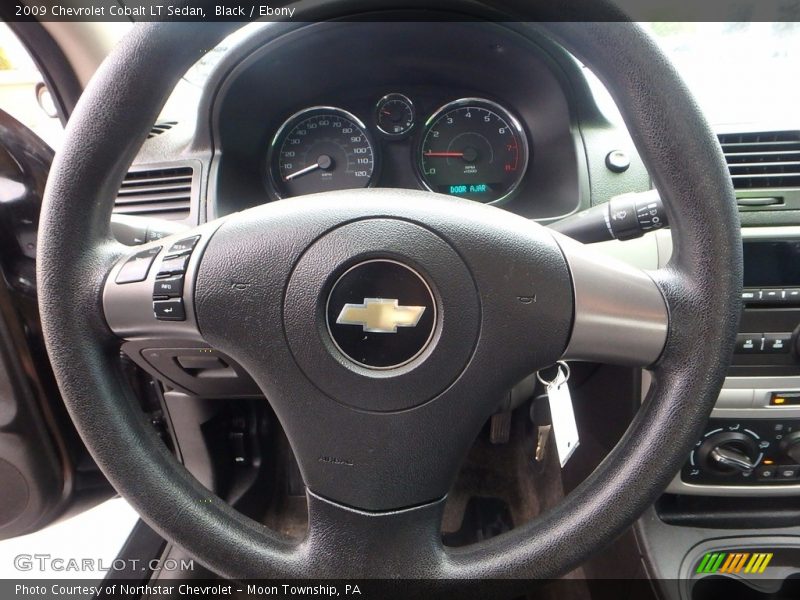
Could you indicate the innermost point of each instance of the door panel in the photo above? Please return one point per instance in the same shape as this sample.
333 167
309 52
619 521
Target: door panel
45 471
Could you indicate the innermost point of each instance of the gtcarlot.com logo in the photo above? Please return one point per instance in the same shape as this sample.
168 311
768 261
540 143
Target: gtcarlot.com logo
48 562
734 562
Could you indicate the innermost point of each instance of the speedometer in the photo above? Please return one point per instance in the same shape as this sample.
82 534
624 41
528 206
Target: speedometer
475 149
321 149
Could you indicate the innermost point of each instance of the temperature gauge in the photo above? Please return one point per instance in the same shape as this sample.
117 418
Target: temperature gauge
394 115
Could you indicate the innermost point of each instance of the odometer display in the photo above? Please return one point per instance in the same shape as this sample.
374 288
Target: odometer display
473 148
321 149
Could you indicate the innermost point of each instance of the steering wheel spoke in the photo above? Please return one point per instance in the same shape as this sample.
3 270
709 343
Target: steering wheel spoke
621 315
346 540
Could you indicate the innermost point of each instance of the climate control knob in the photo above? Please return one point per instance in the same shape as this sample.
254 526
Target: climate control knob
729 452
790 445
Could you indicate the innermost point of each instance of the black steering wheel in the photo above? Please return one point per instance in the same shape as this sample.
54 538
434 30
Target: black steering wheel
483 299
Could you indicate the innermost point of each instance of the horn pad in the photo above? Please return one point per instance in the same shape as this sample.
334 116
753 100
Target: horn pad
381 314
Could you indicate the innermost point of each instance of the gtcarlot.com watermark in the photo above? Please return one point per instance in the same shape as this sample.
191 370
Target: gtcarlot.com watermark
48 562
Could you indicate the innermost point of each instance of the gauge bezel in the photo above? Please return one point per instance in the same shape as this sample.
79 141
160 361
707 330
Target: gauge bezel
274 184
502 112
402 98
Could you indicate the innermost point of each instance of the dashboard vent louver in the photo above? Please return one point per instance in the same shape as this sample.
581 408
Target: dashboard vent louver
165 193
160 128
763 160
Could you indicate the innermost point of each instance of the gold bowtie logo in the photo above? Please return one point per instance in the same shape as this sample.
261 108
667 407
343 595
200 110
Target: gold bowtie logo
380 315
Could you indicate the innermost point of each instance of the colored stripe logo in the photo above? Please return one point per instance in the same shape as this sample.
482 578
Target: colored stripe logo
734 562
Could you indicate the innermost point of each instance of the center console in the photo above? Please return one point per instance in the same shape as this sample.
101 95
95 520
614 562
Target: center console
751 446
735 495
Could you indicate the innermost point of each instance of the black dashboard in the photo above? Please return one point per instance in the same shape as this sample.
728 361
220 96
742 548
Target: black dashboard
470 109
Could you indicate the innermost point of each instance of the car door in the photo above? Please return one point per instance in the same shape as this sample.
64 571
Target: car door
46 474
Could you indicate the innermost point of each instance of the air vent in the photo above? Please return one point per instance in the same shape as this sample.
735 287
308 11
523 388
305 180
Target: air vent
160 128
763 160
165 193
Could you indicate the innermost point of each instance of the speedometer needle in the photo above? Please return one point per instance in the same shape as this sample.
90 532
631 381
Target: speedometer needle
308 169
323 162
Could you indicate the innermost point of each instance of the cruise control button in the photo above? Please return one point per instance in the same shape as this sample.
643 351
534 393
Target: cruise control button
175 265
171 287
155 234
748 343
137 266
184 245
169 310
777 343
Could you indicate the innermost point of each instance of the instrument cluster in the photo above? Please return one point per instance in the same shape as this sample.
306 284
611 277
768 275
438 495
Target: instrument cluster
470 147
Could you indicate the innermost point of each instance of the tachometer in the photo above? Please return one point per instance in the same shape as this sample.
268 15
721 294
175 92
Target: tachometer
475 149
321 149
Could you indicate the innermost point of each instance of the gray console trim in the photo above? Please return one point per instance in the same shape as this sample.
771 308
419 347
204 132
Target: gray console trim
678 486
760 233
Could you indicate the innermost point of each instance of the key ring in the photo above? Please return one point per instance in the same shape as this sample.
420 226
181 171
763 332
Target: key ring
566 372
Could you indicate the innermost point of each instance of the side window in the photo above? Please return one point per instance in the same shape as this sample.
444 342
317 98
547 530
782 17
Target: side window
23 93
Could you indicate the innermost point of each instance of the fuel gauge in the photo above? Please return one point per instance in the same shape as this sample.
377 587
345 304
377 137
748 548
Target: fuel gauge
394 115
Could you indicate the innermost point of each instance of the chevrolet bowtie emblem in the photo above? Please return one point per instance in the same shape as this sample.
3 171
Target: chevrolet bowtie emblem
380 315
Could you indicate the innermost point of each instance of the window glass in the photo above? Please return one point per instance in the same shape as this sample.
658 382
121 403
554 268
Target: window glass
739 72
20 82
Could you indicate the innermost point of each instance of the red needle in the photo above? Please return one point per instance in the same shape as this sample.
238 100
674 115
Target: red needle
446 154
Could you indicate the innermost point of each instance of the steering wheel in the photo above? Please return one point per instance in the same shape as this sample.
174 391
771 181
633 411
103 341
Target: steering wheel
464 300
